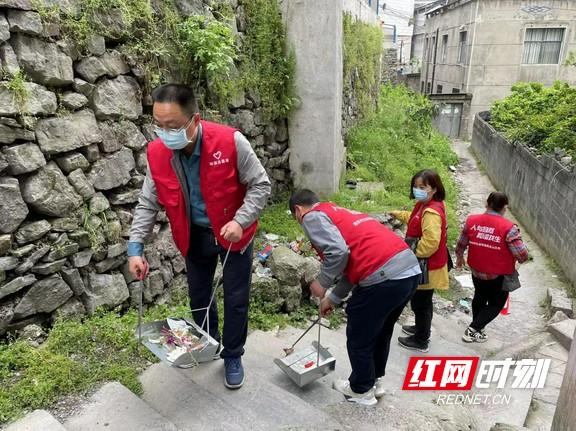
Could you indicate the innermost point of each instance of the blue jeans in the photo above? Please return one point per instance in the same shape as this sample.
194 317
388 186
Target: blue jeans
372 312
201 265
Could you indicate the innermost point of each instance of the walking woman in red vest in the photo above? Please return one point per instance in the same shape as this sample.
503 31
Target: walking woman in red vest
494 246
361 256
426 232
212 186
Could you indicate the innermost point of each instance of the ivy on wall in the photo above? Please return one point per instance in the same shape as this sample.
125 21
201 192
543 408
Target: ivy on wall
198 50
267 66
363 44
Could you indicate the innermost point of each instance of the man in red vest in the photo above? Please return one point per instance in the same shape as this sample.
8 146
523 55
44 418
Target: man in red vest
213 187
361 256
494 245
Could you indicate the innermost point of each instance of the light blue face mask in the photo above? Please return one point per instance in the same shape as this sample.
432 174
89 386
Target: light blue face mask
419 194
175 139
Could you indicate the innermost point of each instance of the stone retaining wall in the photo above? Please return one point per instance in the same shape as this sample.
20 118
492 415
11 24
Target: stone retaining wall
72 162
541 190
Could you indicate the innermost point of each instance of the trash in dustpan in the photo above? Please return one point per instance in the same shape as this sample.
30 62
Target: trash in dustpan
307 365
178 342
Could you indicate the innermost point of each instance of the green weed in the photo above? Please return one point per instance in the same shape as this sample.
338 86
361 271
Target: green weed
16 83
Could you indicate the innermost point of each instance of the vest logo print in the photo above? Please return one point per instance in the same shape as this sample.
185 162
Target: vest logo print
219 160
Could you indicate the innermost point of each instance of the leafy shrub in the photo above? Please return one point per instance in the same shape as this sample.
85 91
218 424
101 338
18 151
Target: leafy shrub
205 50
197 50
540 117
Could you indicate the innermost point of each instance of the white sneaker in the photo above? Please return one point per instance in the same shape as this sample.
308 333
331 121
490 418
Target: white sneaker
365 399
379 388
473 336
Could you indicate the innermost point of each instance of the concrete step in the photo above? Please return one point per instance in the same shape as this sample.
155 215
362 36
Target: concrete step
38 420
564 332
335 340
116 408
267 405
188 404
318 393
544 400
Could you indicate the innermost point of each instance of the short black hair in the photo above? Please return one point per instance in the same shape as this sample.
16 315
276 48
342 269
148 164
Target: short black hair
497 201
431 178
180 94
303 197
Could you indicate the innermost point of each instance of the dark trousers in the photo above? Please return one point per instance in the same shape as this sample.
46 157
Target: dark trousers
489 299
372 312
422 307
201 265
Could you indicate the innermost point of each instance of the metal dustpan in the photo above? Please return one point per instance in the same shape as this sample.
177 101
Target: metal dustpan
307 365
153 331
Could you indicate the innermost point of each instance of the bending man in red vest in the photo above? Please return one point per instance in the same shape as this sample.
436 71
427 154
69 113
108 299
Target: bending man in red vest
212 186
494 245
361 256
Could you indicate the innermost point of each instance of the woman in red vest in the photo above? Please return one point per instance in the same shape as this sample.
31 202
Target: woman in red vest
426 232
494 246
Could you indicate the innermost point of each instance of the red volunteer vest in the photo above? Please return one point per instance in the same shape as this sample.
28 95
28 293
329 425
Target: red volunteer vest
371 244
487 249
414 230
219 185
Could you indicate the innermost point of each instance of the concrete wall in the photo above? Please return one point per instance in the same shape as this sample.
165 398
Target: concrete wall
358 8
565 416
410 80
496 32
314 30
399 13
542 192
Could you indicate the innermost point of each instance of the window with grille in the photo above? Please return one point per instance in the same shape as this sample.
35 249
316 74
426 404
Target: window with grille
543 45
428 88
438 89
444 55
463 48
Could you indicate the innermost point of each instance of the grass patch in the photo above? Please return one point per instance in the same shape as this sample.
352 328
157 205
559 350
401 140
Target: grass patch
389 147
277 219
263 316
76 356
80 354
392 145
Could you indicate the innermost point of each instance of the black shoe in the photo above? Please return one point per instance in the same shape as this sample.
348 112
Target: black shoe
411 343
409 329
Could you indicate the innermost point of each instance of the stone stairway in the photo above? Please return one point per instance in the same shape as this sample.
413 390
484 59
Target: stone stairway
196 399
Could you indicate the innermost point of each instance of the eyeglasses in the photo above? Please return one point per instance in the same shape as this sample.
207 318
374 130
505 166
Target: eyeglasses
174 132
